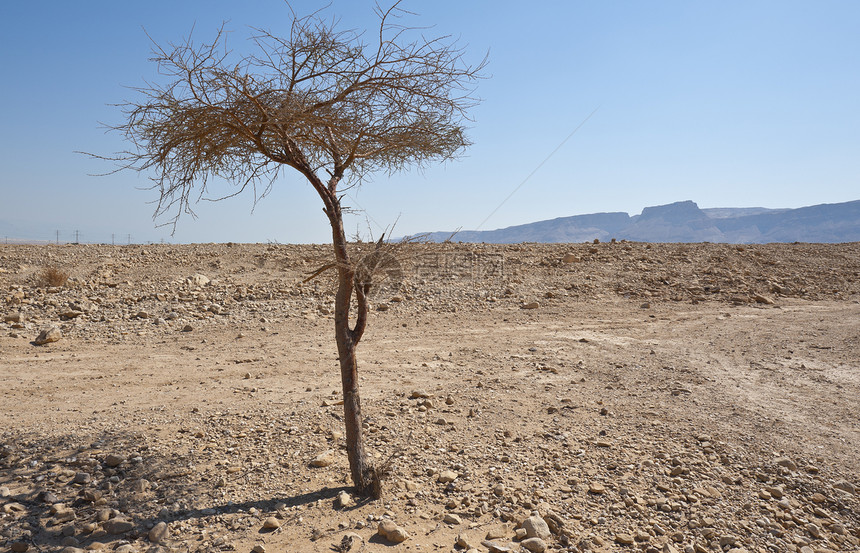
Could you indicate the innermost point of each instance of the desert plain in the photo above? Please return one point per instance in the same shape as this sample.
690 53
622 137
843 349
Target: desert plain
531 397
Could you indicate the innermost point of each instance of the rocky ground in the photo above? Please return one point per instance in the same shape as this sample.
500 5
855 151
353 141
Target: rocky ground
587 397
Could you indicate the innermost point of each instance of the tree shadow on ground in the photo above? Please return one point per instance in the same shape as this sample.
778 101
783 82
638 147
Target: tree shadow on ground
66 490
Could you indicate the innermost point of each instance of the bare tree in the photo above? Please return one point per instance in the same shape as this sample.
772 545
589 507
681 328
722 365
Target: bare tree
320 100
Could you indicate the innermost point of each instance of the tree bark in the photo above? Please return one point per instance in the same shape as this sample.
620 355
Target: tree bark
363 475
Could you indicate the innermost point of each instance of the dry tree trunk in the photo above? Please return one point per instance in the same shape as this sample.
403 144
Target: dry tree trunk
363 474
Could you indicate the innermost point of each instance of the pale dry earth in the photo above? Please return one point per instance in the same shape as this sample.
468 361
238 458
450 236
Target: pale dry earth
637 397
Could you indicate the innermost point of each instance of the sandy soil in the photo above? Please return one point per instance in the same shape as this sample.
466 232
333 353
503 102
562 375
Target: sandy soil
698 397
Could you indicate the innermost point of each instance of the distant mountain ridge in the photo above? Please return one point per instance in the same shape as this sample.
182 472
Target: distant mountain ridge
685 222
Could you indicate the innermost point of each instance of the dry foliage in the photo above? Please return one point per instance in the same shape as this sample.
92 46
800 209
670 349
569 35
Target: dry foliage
318 100
53 277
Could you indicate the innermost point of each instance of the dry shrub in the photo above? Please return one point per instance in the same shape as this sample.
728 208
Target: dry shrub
53 276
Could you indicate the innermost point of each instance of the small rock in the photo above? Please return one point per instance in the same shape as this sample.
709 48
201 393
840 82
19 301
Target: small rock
69 315
535 545
624 539
198 280
451 518
496 547
48 335
343 500
596 488
64 514
814 530
389 530
785 462
447 476
259 548
465 543
763 299
159 532
569 258
48 497
845 486
117 526
19 546
324 459
113 460
536 527
271 523
775 491
82 478
531 305
818 498
187 328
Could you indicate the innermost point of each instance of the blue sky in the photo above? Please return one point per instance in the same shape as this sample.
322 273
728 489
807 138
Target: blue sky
730 104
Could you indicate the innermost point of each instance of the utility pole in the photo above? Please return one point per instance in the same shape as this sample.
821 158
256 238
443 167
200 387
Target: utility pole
77 237
129 239
58 237
113 239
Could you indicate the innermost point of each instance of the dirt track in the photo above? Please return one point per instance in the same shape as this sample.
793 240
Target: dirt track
700 397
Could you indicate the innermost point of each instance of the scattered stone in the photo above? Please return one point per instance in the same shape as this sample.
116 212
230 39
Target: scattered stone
624 539
453 519
535 545
389 530
447 476
785 462
496 547
159 532
596 488
271 523
82 478
19 546
48 335
531 305
70 315
763 299
536 527
112 460
198 280
845 486
118 526
464 543
259 548
570 258
814 530
343 500
324 459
